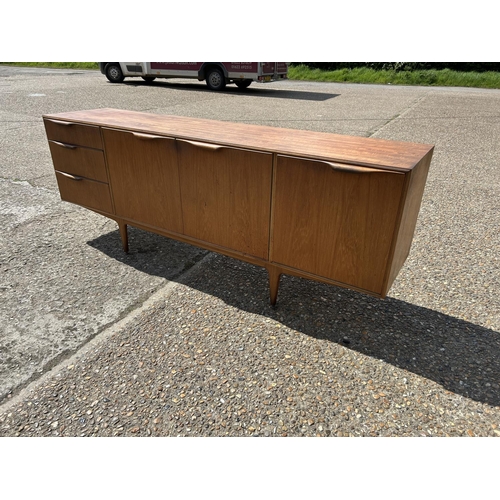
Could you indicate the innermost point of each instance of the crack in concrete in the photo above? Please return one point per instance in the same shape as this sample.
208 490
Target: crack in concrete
417 101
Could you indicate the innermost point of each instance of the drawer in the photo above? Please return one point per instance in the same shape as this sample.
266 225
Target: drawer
83 162
73 133
85 192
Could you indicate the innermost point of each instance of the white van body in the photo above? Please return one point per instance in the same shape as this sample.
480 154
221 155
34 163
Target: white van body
216 74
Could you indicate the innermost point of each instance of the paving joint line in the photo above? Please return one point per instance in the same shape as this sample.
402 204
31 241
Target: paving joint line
67 359
400 115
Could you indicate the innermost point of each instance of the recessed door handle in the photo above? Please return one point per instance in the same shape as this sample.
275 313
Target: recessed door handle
59 122
146 136
203 145
63 145
344 167
70 176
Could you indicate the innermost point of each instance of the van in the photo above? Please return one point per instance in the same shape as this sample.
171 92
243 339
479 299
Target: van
216 74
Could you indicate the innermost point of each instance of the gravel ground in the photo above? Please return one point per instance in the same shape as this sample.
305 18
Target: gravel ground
227 364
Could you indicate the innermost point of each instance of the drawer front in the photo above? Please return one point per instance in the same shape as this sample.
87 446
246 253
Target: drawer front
73 133
79 161
84 192
335 221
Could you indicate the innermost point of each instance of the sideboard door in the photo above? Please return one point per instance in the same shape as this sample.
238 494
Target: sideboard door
226 196
336 221
144 178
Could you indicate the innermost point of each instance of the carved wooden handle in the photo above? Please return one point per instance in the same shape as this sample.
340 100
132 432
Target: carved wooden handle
63 145
147 136
343 167
59 122
73 177
203 145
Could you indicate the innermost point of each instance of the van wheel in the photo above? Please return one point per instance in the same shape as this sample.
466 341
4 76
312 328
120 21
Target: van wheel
243 84
114 73
149 79
215 79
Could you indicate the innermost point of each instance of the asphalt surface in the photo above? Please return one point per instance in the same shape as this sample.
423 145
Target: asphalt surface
67 290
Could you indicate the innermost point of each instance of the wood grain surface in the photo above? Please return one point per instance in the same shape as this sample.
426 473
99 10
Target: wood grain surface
79 161
144 178
73 133
335 224
85 192
226 196
360 150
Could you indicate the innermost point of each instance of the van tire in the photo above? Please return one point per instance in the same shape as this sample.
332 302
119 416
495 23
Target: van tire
243 84
215 79
114 73
149 79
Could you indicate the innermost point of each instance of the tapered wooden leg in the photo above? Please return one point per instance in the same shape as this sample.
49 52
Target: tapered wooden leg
124 235
274 283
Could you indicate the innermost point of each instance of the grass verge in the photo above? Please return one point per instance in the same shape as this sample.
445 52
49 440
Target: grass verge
59 65
441 78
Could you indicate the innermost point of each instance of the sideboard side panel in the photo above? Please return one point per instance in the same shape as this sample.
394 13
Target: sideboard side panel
408 218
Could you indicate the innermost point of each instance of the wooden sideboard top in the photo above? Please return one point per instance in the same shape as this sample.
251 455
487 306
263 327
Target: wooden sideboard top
401 156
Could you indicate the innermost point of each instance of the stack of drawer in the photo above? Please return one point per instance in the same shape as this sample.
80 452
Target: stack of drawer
78 158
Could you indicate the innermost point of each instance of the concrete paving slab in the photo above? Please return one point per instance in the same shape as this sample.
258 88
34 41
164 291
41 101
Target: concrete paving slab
27 156
61 286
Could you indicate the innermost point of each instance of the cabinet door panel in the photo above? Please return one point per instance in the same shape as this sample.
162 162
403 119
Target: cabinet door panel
336 223
226 196
144 178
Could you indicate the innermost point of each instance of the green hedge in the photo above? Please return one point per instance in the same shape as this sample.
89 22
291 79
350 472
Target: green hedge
405 66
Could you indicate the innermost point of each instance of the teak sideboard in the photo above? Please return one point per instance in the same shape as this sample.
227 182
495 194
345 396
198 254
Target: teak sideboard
333 208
